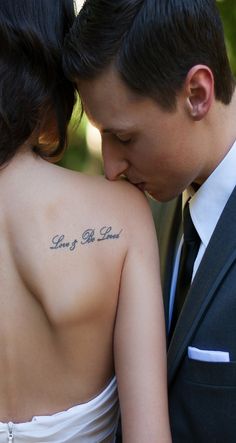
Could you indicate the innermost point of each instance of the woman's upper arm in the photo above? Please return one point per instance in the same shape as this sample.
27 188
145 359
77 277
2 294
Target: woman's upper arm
139 341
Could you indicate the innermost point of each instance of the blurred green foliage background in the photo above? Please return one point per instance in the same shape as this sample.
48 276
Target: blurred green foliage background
84 154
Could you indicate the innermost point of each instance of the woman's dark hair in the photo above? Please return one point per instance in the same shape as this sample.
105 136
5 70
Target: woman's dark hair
152 43
36 99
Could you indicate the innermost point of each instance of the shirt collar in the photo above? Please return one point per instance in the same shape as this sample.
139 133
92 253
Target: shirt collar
207 204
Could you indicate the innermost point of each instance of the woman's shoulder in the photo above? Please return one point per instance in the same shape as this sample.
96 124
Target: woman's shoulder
117 195
91 200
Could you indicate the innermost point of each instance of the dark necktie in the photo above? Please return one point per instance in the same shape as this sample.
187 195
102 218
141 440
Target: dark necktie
188 255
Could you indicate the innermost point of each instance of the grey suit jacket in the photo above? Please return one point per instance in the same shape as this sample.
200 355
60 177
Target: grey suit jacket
202 395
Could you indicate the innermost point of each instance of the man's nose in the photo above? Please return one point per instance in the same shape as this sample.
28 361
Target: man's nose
114 162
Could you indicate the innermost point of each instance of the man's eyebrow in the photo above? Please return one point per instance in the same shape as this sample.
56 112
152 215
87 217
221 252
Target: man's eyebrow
114 130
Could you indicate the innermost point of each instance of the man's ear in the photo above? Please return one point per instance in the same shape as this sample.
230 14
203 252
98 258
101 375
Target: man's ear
199 91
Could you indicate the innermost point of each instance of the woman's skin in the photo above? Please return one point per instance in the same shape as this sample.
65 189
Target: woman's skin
80 290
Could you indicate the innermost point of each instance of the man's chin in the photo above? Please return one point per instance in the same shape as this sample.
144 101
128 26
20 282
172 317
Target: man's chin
161 197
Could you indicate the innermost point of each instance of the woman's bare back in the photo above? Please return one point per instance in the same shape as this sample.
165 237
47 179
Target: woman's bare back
63 244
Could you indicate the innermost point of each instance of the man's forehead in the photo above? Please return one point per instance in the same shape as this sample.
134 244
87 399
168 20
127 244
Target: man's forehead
108 103
108 86
109 123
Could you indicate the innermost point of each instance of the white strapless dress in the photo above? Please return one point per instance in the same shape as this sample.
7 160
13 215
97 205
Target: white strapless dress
92 422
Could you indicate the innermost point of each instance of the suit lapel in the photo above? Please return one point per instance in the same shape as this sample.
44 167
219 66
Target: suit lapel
219 255
171 219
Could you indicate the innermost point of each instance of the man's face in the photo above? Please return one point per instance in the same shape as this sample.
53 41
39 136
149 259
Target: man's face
153 148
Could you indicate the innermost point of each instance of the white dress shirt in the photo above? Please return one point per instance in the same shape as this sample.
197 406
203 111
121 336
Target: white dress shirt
206 207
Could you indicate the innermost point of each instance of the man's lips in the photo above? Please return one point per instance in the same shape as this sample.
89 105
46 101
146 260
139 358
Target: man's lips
139 185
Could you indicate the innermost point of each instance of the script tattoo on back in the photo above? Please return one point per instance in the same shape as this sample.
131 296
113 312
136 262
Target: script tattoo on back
90 235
